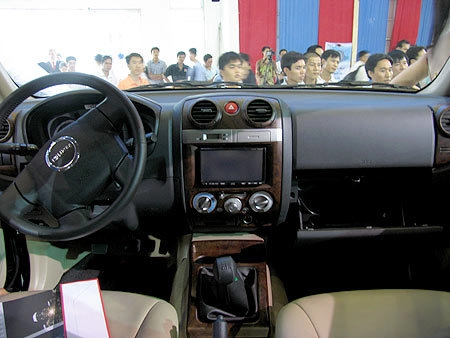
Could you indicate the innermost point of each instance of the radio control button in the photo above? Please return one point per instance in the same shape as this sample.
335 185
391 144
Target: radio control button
260 201
204 203
233 205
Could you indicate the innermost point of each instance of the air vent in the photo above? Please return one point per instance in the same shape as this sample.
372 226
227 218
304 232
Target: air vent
6 130
260 113
204 114
444 122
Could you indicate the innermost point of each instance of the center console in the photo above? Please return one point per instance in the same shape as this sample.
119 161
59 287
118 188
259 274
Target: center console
229 281
232 156
233 183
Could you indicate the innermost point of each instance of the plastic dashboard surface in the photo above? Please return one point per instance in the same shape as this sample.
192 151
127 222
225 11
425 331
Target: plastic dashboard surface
376 131
299 130
347 130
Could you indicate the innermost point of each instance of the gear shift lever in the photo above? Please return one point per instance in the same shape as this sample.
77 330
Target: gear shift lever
230 285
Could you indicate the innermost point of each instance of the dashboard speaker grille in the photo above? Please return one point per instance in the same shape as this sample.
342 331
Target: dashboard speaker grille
204 114
5 130
444 122
260 113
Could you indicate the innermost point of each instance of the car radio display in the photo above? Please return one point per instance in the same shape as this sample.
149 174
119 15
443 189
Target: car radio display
243 166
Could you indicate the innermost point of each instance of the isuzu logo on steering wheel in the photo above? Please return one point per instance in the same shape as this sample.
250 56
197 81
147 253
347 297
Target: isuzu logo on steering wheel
62 154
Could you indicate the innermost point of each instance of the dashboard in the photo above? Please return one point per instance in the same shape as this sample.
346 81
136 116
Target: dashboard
235 160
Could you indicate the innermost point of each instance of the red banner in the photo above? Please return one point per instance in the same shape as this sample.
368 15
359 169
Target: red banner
406 22
258 27
335 21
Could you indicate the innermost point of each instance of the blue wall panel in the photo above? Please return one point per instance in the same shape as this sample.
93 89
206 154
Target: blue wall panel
298 24
426 24
372 25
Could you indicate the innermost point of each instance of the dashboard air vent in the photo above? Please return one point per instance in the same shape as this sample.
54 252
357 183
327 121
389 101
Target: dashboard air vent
6 130
260 113
444 122
204 114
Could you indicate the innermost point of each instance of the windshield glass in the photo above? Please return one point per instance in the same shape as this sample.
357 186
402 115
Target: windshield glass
265 43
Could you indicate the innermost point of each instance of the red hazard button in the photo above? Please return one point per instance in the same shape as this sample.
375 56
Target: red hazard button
231 107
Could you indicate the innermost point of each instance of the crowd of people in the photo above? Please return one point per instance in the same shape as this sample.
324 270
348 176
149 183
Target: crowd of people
318 66
315 66
140 73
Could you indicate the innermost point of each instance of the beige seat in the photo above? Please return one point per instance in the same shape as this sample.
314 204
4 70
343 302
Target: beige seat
367 313
131 315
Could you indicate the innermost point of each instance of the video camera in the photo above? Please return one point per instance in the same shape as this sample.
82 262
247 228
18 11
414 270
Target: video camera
269 53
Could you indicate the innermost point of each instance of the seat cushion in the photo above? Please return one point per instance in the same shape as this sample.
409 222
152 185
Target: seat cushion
135 315
367 313
130 314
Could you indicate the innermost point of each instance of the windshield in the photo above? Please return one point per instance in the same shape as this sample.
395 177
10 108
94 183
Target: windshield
163 43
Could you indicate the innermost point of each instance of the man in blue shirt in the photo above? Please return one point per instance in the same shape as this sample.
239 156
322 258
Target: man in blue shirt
156 68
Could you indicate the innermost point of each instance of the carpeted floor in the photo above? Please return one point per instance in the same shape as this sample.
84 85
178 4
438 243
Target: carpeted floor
138 274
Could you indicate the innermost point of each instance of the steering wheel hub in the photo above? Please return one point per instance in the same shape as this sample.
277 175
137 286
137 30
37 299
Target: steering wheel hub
62 154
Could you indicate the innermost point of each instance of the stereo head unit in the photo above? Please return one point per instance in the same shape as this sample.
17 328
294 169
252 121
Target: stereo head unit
232 166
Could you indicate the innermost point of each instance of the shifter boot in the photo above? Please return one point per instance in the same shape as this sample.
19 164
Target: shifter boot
230 286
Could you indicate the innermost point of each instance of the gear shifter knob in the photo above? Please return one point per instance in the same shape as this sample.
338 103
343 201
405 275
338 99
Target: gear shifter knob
225 270
230 285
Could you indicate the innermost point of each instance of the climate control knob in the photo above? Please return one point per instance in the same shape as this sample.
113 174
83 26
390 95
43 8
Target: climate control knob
204 203
260 201
233 205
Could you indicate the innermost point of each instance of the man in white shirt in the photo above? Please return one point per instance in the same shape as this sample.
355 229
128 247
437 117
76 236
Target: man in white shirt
278 64
106 71
330 63
363 55
313 69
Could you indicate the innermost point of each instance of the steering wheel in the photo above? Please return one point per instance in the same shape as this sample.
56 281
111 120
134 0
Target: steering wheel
76 165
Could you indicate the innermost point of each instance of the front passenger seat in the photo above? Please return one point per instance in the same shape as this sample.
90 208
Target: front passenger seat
130 314
389 313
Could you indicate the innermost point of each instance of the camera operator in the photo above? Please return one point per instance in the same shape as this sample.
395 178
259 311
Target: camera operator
266 72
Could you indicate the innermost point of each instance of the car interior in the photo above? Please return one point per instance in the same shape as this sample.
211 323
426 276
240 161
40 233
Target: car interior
231 210
235 212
